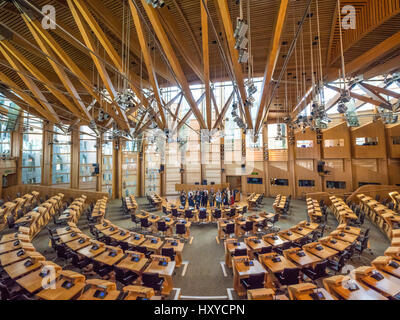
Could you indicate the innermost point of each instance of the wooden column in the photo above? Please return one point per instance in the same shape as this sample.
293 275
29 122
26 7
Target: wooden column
47 151
99 177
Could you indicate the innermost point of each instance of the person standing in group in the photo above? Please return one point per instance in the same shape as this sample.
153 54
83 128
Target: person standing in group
211 196
218 199
182 198
191 199
204 199
197 199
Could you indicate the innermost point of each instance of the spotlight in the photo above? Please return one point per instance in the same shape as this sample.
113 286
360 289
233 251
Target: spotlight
241 29
241 43
243 56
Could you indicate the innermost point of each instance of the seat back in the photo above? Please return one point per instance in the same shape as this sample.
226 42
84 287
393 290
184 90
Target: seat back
320 268
161 226
144 222
180 228
240 252
249 225
230 228
168 252
217 213
257 280
150 279
188 214
291 275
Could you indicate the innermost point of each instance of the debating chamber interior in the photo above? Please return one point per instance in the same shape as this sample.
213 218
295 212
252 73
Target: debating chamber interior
199 150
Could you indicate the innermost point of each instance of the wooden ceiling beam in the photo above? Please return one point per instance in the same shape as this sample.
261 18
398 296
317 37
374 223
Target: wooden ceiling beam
115 26
75 69
237 68
271 62
367 58
374 94
30 84
148 61
37 74
206 60
193 61
223 111
87 38
59 71
173 60
359 97
25 97
384 91
385 68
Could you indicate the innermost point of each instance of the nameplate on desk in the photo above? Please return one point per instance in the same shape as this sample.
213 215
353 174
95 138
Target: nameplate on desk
301 254
394 264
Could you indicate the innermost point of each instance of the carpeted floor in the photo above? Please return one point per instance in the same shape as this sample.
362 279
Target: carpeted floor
204 274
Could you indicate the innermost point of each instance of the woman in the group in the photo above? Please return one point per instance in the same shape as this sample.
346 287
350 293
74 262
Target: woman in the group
218 199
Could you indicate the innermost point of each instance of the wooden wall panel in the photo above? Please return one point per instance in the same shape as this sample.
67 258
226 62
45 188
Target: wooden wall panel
338 133
393 132
371 130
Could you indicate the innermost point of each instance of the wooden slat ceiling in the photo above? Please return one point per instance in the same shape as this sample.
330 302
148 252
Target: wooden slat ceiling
377 20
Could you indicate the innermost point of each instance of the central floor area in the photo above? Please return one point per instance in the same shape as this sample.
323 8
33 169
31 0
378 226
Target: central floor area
203 274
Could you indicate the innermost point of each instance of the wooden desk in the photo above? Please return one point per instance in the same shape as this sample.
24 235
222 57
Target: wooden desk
274 242
10 246
135 239
276 267
163 271
12 257
243 271
9 237
348 229
70 237
18 269
303 231
60 293
344 236
90 295
155 247
110 231
337 244
121 236
308 260
290 236
363 292
107 258
33 281
178 249
66 230
255 245
230 249
388 286
307 295
325 253
79 243
131 265
88 252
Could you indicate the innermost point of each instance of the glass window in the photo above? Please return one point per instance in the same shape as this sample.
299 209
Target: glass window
279 182
305 144
334 143
87 159
129 168
32 150
5 140
107 158
367 141
336 184
396 140
306 183
276 140
61 158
